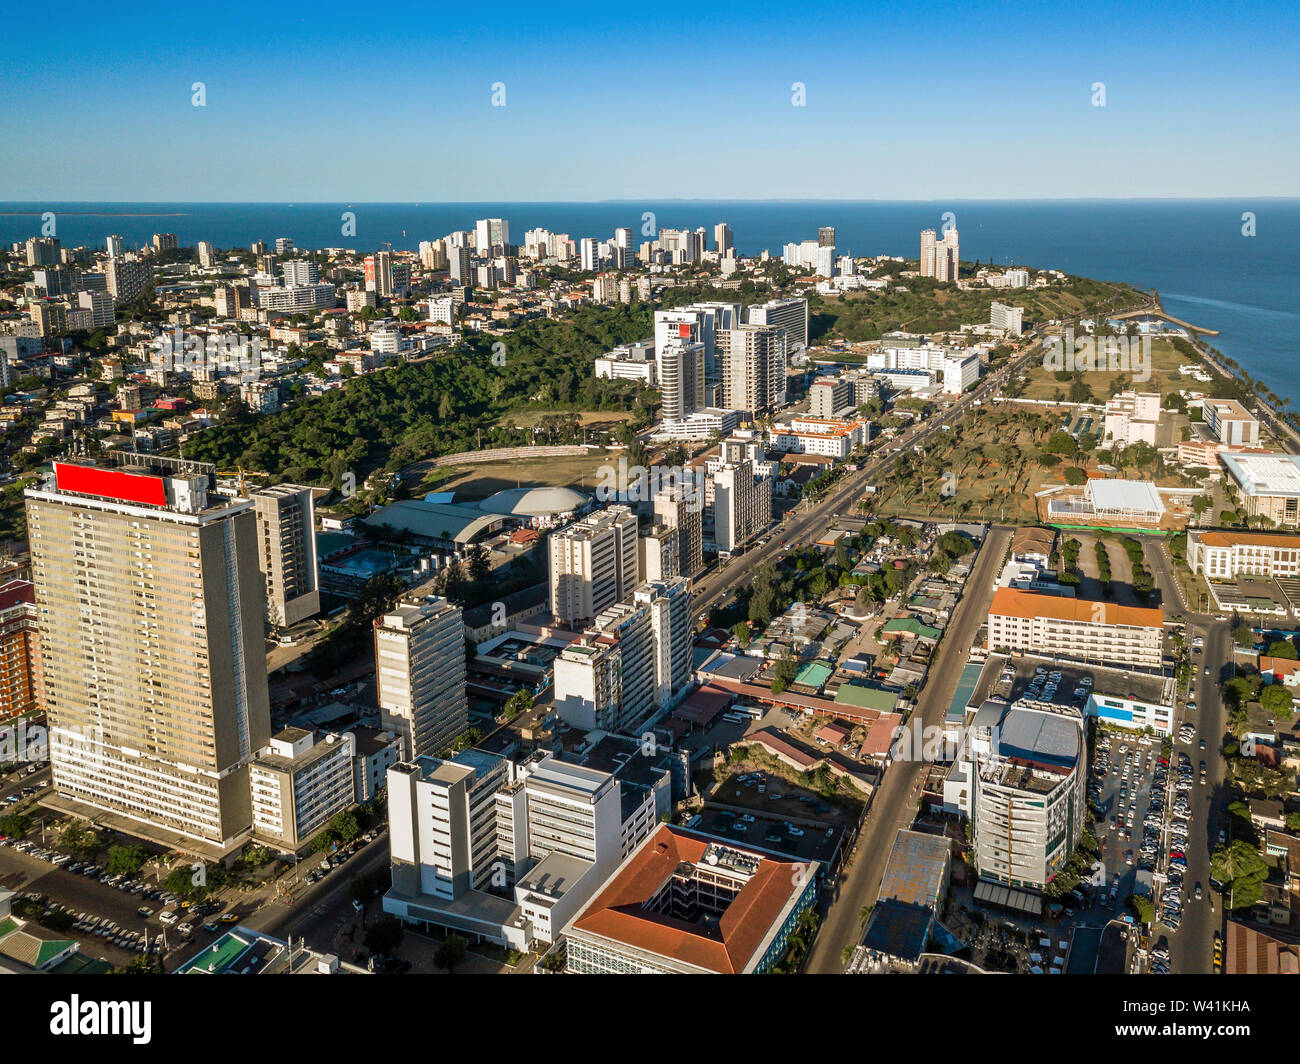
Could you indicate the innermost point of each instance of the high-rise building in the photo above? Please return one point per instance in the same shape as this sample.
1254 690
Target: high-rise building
458 264
490 233
207 254
299 271
165 242
722 239
826 236
788 314
298 783
1002 316
100 305
42 251
152 652
742 500
753 362
606 679
668 603
420 672
20 649
593 564
114 245
286 547
127 278
679 365
939 258
379 274
679 509
589 255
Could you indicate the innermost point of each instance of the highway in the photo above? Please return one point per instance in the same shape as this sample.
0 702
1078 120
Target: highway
895 802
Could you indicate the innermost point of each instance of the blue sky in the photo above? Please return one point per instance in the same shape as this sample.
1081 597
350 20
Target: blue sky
352 102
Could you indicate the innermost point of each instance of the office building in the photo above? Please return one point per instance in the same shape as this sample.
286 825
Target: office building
20 650
504 852
742 499
152 651
420 674
606 679
830 397
1226 555
684 904
286 540
114 245
723 240
1075 628
1231 422
1269 484
298 783
1028 796
593 565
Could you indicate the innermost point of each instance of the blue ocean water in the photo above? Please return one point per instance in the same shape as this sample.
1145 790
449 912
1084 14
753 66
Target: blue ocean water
1193 252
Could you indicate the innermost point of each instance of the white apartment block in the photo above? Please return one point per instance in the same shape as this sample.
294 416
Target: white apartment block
629 362
420 674
940 257
294 298
1132 417
753 362
298 784
1078 629
593 564
1010 319
833 437
741 504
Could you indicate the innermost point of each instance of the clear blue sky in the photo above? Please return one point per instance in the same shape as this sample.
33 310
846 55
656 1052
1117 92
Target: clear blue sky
360 102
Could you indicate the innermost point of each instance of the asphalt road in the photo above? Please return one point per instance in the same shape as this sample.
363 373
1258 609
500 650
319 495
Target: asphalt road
1191 948
895 803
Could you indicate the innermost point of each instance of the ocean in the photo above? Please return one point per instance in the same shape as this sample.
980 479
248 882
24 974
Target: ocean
1193 252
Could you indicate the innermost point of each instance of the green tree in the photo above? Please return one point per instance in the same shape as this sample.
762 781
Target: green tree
520 702
742 633
1277 700
1282 648
1241 871
1143 909
787 668
450 953
124 860
384 935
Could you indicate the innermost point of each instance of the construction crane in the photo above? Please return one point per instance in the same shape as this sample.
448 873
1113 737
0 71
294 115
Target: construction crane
243 476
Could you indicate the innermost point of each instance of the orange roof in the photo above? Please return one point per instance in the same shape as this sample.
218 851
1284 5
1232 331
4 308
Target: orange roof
1248 539
728 946
1012 602
1278 666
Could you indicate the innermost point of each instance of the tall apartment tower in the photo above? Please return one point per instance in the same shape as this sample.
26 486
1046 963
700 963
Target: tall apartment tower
491 233
826 236
286 546
152 652
788 314
681 510
420 669
593 565
742 500
20 649
723 240
754 360
939 258
458 264
668 603
681 371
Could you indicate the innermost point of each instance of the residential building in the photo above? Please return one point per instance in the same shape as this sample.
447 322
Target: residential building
286 539
1028 793
1075 628
298 783
152 651
753 360
420 673
829 397
788 314
1132 417
1011 319
593 565
20 650
681 510
940 257
127 278
742 499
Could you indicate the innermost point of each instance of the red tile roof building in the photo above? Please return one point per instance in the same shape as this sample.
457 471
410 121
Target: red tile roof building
683 903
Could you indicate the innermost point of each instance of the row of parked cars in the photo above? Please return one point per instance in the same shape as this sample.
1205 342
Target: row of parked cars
340 856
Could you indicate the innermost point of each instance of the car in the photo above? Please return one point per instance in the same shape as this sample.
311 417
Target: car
359 906
228 918
167 917
144 911
1198 892
211 926
185 929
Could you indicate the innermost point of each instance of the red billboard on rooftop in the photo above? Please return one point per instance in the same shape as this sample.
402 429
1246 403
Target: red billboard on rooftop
111 483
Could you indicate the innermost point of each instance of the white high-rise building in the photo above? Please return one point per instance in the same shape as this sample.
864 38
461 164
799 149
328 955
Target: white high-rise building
490 233
300 272
722 239
420 672
742 500
939 257
680 509
1002 316
593 565
679 365
669 606
788 314
286 540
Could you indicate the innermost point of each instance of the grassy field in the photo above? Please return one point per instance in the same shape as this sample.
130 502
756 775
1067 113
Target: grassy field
486 478
1165 378
598 419
992 459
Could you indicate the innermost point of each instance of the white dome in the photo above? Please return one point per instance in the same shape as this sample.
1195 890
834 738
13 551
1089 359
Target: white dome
534 502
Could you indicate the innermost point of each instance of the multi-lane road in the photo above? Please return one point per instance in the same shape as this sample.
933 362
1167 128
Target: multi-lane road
894 804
